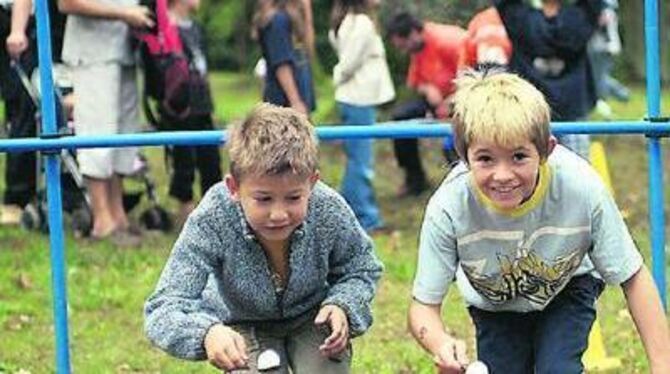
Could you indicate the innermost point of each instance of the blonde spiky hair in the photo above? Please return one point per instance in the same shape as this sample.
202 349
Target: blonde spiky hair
272 141
501 108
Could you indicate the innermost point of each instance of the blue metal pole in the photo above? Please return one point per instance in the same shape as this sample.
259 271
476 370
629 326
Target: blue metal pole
381 130
657 216
53 183
656 212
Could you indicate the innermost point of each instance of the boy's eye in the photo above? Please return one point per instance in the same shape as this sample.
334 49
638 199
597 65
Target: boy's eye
294 198
519 156
262 199
484 158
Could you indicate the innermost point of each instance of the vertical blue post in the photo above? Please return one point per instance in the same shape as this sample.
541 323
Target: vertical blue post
53 186
656 213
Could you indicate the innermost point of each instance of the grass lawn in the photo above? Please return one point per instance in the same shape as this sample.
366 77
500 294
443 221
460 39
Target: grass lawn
107 286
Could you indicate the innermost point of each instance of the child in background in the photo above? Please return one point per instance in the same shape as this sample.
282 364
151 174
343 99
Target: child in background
362 81
529 232
280 27
291 271
186 159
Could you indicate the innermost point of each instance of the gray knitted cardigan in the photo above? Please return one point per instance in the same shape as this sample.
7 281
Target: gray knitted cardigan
218 272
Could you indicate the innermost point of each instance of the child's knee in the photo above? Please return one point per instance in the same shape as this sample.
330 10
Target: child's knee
303 349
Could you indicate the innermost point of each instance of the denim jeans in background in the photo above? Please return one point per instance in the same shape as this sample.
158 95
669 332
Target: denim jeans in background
578 143
544 342
357 186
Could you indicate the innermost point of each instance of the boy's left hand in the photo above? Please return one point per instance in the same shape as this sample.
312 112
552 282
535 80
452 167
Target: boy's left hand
334 317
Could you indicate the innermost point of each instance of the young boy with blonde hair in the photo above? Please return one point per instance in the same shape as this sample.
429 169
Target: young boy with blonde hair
530 234
272 269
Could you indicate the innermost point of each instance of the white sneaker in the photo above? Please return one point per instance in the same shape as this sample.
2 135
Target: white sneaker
604 109
10 215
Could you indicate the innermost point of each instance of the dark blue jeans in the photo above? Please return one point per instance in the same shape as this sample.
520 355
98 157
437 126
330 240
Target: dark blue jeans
548 341
357 186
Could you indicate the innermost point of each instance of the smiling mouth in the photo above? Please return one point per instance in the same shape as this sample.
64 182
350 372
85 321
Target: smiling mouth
504 189
277 228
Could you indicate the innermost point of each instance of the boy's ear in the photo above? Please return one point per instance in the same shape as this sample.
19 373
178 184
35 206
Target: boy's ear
551 144
233 187
314 178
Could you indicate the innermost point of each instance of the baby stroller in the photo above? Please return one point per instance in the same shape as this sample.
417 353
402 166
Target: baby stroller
76 201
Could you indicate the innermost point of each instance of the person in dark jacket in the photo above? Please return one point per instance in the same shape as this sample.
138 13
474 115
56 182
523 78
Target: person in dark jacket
549 49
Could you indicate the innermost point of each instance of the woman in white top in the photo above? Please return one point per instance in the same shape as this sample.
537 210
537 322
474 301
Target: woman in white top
362 81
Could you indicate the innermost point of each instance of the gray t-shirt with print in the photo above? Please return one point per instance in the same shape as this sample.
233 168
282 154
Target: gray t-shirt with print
519 260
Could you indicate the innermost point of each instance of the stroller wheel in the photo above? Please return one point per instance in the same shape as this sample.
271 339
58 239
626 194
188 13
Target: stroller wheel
82 222
156 218
30 218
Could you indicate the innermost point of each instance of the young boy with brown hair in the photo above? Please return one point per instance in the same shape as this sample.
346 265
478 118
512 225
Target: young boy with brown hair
530 234
271 264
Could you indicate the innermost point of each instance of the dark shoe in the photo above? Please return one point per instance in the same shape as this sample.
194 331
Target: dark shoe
125 238
380 231
412 190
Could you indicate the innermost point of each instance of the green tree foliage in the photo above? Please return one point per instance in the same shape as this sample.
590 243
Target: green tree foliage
227 25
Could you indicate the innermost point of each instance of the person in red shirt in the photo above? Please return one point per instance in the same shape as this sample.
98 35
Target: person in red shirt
487 41
435 57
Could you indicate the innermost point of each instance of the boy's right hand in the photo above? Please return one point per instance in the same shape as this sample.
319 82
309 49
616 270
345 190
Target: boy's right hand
451 357
225 348
138 16
17 43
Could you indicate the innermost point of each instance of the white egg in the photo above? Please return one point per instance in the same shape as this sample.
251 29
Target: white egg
268 359
477 367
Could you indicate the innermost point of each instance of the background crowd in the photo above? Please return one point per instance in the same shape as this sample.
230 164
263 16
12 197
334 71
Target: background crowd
565 48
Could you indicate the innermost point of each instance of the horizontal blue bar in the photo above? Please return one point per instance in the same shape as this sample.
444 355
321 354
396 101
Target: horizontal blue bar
407 129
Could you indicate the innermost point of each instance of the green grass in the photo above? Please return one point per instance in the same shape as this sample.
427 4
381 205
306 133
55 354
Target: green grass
107 286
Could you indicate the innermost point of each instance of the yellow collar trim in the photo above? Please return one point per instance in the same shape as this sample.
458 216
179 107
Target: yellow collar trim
526 206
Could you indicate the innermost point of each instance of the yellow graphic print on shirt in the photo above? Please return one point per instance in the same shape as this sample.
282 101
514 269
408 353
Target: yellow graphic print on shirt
527 276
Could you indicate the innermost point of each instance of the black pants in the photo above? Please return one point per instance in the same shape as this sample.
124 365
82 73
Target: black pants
186 159
20 171
407 150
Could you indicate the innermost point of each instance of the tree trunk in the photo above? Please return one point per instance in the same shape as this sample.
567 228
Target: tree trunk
631 15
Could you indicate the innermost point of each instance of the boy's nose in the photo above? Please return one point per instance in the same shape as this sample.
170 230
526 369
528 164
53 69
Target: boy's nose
503 173
278 214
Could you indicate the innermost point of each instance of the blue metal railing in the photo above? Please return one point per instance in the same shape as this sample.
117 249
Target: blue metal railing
405 129
653 127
